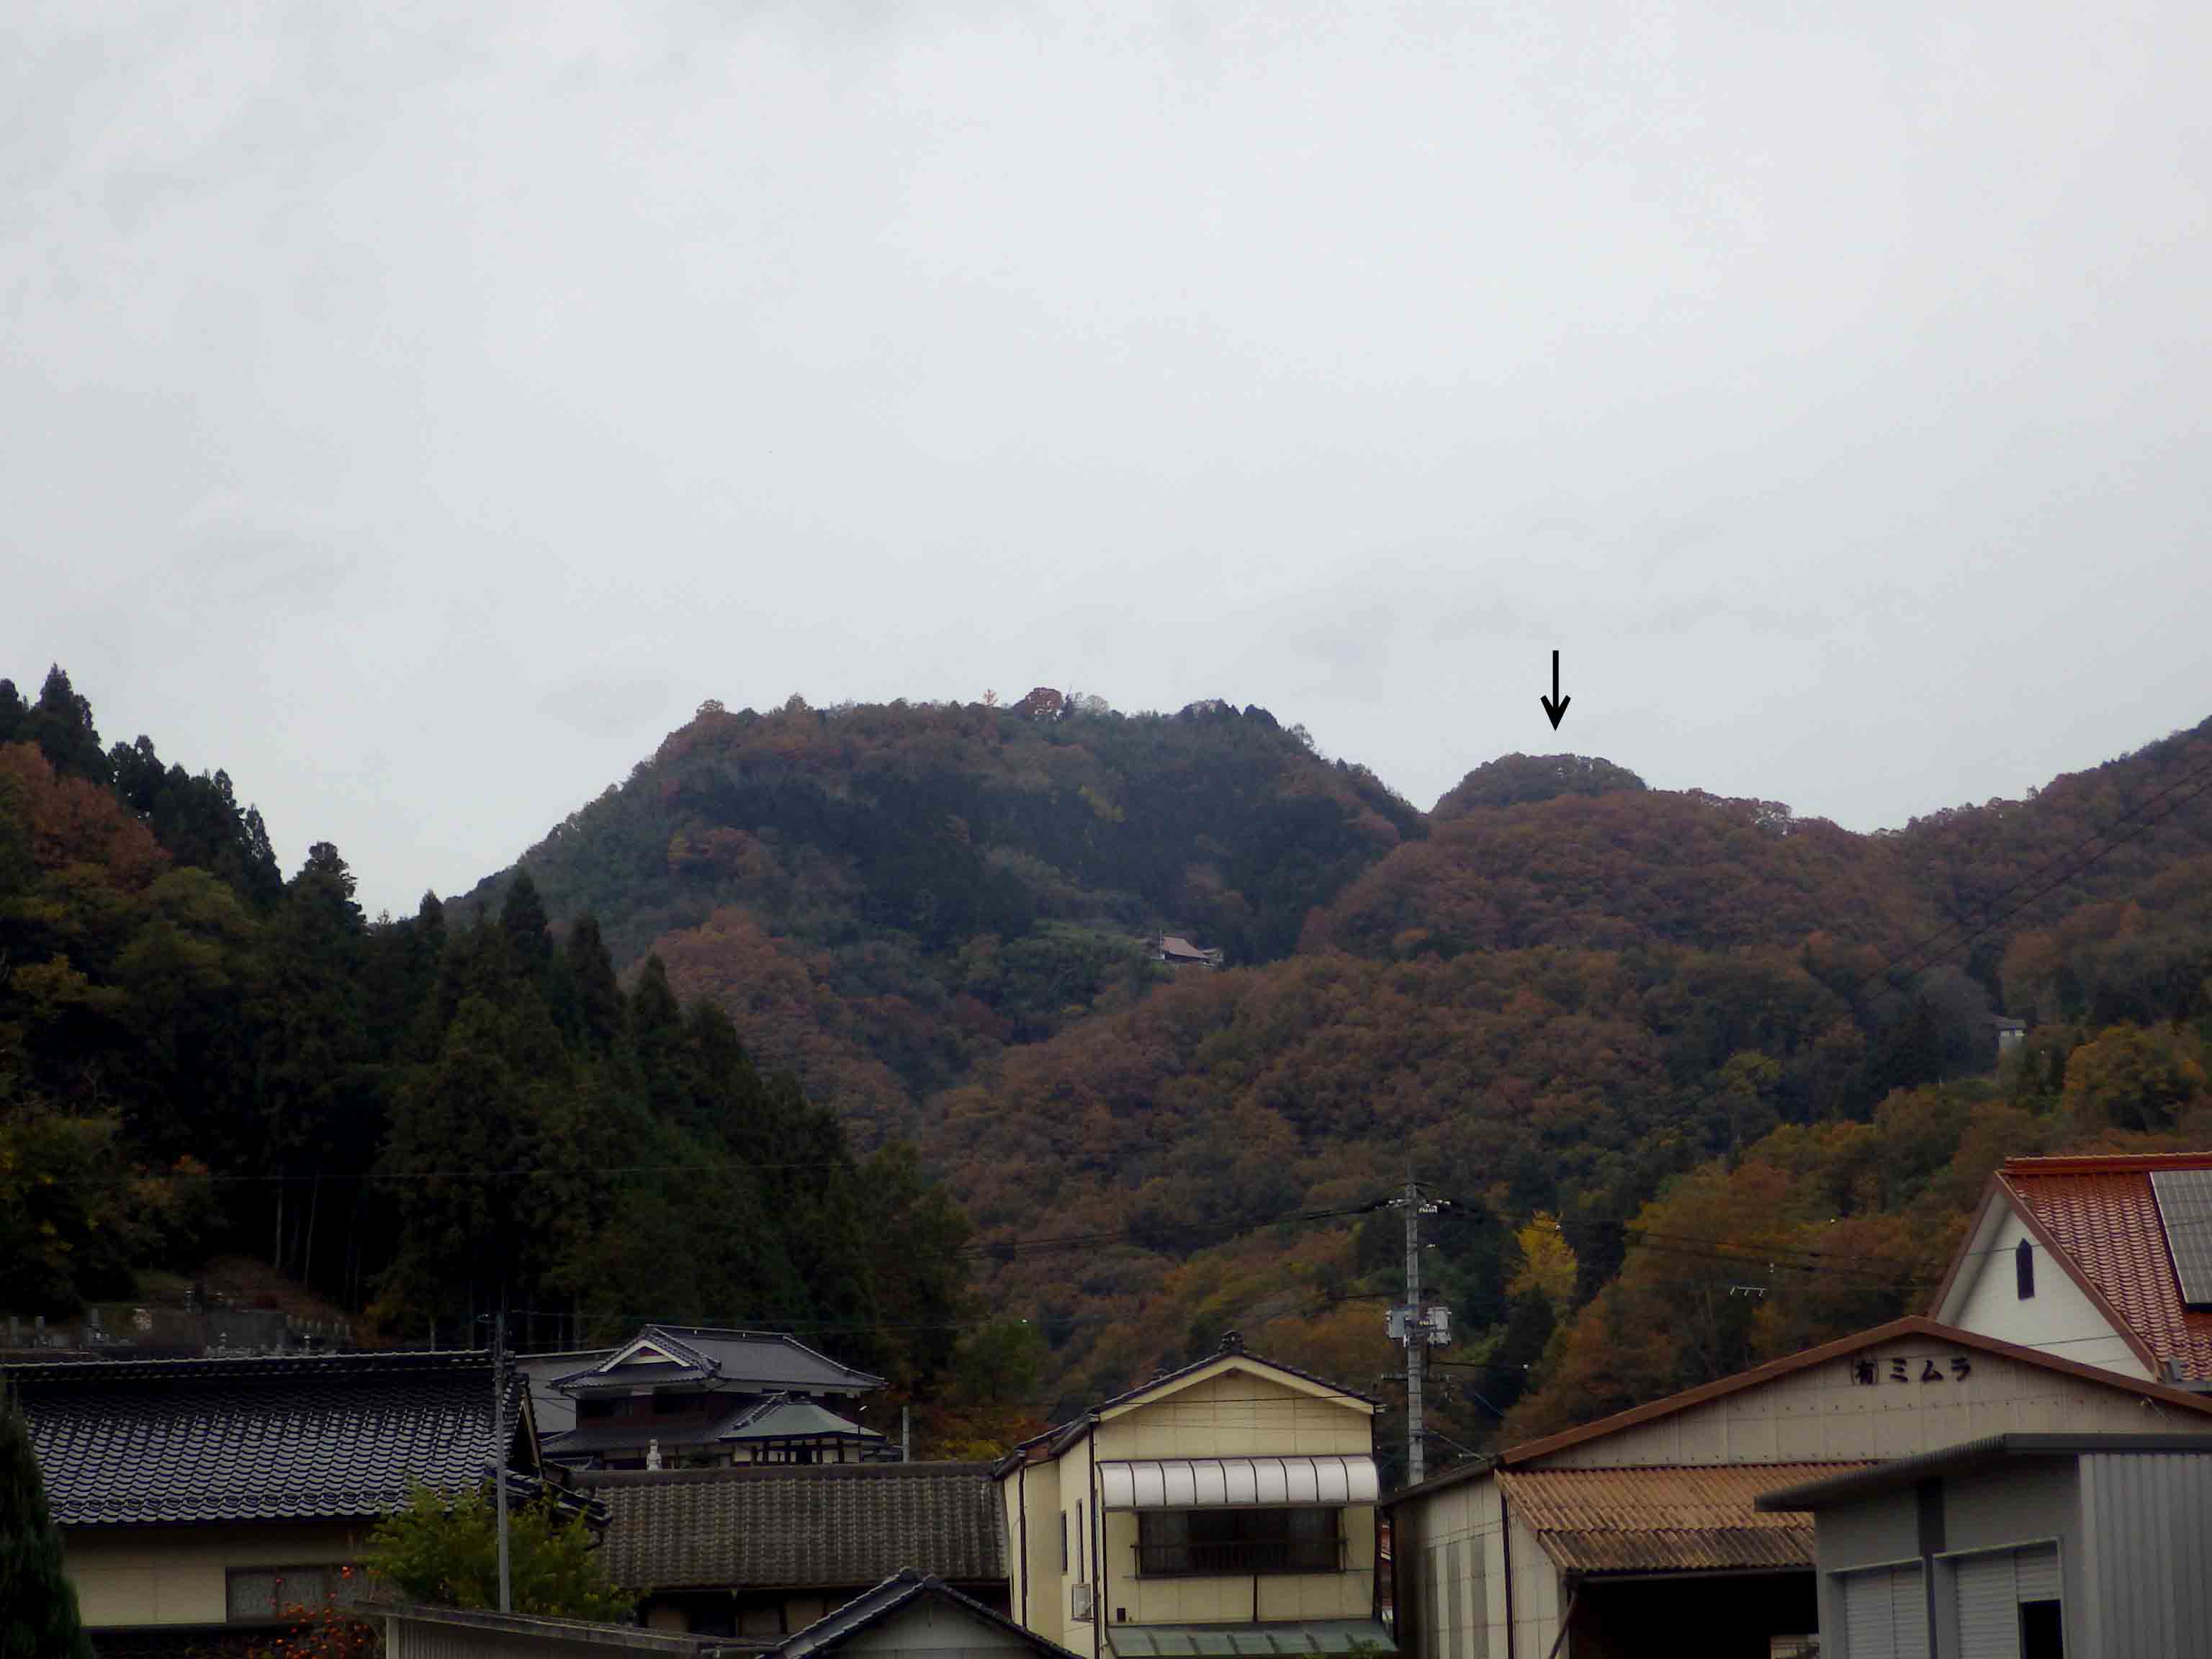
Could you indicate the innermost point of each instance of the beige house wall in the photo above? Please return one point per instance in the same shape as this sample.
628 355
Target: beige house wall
2058 1319
1228 1410
1031 1496
1820 1415
178 1575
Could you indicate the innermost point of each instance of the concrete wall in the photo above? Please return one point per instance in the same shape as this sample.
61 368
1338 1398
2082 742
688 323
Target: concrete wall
2057 1319
178 1575
1820 1415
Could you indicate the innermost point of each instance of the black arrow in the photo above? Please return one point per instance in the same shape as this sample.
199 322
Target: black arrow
1555 705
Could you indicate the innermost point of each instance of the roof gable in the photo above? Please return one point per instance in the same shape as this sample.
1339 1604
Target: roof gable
2099 1218
905 1593
1288 1378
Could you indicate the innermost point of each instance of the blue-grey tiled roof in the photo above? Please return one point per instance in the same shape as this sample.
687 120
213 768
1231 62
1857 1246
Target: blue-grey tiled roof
274 1437
750 1362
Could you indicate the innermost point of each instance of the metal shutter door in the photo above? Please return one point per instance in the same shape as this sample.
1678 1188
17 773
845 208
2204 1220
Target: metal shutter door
1883 1615
1989 1612
1908 1611
2036 1573
1866 1617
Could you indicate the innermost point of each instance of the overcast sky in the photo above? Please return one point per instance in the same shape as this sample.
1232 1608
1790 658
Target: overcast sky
419 418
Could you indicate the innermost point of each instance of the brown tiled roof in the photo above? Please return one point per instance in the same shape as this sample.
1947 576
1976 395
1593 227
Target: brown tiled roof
1665 1519
2102 1213
804 1527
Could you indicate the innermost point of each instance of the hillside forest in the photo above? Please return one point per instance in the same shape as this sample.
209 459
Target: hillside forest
849 1019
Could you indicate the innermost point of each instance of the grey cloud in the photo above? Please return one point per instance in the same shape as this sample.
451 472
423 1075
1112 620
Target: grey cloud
563 366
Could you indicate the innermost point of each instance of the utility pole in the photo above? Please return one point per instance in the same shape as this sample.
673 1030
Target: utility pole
1419 1327
499 1444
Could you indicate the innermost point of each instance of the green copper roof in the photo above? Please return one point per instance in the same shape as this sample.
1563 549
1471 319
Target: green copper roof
1323 1635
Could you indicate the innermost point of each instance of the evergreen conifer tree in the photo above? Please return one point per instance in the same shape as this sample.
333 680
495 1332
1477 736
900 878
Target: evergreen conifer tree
38 1604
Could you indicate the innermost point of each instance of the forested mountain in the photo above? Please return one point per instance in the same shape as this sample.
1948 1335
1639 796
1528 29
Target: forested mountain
1563 994
1656 1046
890 894
414 1118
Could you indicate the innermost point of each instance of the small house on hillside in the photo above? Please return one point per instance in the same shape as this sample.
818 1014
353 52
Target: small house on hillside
1227 1507
201 1497
2103 1259
760 1553
1179 952
692 1396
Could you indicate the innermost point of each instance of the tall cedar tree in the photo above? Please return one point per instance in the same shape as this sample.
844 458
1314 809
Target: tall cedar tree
38 1603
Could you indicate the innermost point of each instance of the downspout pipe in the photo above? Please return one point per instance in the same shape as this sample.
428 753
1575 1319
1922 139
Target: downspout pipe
1505 1546
1022 1502
1098 1596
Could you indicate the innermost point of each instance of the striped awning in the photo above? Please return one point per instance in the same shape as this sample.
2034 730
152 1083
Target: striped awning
1206 1483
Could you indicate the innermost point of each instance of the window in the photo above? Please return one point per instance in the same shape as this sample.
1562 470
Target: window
256 1594
587 1409
2023 1268
1063 1541
672 1405
1185 1543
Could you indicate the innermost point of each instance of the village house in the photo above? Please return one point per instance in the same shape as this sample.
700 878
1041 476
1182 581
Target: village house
691 1396
1179 952
761 1551
1228 1507
1583 1543
2018 1547
2103 1259
201 1497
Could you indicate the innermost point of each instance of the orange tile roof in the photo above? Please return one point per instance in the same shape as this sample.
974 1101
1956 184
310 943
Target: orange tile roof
1670 1519
2103 1213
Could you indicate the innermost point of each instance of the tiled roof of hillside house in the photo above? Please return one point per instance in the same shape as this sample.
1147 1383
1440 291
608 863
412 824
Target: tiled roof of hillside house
751 1361
785 1527
276 1437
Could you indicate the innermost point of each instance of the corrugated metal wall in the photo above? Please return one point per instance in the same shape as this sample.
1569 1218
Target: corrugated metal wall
2149 1520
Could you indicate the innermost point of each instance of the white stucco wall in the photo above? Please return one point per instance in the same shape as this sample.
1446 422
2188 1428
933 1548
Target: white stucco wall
2057 1320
